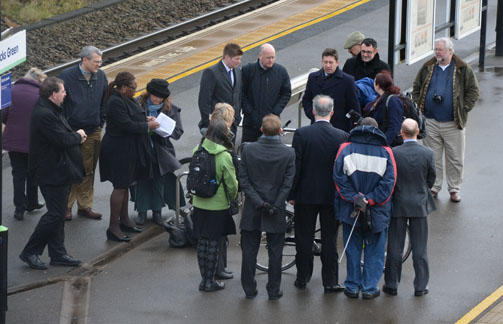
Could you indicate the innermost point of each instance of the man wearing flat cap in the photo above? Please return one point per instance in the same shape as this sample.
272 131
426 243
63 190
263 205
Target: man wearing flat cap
354 43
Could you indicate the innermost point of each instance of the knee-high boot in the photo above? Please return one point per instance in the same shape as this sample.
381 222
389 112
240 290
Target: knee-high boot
211 268
202 248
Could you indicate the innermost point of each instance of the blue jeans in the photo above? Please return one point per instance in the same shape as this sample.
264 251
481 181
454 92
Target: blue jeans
373 245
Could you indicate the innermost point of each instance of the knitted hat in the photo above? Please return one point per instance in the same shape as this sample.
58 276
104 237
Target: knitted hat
159 88
354 38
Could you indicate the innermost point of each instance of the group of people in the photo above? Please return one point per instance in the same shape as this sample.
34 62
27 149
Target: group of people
338 167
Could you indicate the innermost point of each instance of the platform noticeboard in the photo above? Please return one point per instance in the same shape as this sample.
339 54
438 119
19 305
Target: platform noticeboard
6 90
468 17
420 29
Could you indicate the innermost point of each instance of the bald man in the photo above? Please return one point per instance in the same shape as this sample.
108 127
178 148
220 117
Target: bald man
412 202
266 90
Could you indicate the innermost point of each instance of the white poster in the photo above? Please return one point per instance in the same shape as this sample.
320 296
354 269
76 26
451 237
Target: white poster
468 17
12 51
420 30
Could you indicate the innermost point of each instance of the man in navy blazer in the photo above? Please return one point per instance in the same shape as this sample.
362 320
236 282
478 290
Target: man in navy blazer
340 86
412 202
221 83
313 193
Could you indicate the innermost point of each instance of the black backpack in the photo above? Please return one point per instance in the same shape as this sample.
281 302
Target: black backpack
202 177
410 110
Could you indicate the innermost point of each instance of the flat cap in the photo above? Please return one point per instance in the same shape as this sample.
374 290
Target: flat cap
353 39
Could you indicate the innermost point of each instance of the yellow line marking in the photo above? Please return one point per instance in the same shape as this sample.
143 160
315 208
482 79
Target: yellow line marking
477 310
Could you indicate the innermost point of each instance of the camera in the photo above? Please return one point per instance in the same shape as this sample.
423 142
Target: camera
354 116
437 98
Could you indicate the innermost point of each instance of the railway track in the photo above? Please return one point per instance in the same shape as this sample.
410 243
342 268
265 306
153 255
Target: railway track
159 37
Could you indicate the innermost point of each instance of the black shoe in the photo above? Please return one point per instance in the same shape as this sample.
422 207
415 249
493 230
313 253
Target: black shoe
351 294
253 295
19 215
334 289
299 284
366 295
65 260
33 261
214 286
277 296
157 217
389 291
112 237
223 276
128 229
228 271
201 285
419 293
140 219
37 206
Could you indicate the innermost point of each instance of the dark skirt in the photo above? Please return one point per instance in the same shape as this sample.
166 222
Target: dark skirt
154 194
213 224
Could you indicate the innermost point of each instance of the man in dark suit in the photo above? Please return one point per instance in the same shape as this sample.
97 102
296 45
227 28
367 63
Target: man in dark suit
313 193
331 81
266 175
412 202
221 83
55 160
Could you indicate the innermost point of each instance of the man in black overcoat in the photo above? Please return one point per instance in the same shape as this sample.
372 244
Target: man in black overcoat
412 202
313 193
55 160
266 174
340 86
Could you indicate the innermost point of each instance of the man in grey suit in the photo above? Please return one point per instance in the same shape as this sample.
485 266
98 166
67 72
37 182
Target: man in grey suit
266 175
221 83
412 202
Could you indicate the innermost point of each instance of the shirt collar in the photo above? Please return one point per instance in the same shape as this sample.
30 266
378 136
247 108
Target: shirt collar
226 67
83 71
410 140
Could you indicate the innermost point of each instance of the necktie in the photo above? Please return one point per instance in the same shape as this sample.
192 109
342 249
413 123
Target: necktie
232 77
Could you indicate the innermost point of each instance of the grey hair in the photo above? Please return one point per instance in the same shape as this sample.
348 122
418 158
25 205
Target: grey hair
447 42
35 74
369 121
88 52
323 105
261 48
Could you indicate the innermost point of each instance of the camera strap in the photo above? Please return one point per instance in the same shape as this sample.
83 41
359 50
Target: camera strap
449 72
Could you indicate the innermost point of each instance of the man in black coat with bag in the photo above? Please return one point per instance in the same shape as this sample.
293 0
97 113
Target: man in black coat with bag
55 160
266 174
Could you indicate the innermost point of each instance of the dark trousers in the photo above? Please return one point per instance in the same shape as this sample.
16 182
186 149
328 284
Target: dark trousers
305 225
50 229
222 254
21 182
250 134
418 227
250 243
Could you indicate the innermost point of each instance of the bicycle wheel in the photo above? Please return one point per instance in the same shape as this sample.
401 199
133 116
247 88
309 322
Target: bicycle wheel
407 247
289 251
182 173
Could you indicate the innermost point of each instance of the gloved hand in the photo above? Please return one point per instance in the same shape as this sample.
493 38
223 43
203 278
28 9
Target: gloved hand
267 208
360 206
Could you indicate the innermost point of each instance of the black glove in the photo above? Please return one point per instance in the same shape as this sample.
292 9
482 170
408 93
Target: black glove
267 208
360 207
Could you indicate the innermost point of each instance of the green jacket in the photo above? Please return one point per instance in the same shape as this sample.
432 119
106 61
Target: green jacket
225 167
465 90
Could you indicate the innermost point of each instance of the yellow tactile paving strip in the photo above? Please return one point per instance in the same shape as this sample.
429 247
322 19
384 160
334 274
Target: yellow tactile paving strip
494 315
195 52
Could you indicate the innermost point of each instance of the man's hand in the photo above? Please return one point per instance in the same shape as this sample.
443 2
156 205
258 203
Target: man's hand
267 208
152 123
83 135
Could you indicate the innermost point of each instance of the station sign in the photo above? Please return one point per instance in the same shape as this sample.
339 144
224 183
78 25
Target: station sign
6 90
12 51
468 17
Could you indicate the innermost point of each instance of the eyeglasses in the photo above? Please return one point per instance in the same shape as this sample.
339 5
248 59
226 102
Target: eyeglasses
97 62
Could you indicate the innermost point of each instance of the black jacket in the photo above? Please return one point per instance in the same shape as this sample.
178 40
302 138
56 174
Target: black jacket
55 158
315 147
340 87
264 92
359 69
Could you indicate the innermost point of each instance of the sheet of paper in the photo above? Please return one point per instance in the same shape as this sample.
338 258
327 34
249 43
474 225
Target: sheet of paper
167 125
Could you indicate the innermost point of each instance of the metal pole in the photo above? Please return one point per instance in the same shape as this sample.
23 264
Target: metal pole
483 29
499 29
4 234
391 35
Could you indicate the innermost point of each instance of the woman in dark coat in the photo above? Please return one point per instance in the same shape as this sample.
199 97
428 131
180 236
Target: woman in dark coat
126 154
16 140
390 123
155 193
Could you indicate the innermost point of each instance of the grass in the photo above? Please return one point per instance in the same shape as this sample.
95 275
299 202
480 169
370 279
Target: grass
25 12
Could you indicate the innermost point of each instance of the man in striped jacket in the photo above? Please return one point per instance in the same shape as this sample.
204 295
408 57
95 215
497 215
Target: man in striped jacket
365 176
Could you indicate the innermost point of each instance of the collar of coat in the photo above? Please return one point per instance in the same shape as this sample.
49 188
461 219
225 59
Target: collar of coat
458 62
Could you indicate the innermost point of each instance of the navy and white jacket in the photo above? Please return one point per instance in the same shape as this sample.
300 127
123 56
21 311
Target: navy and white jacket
365 166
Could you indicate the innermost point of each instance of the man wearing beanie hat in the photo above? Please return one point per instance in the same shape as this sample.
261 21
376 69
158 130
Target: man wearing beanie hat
354 43
159 88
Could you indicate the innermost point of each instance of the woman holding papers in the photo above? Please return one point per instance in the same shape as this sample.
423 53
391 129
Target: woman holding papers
126 154
153 194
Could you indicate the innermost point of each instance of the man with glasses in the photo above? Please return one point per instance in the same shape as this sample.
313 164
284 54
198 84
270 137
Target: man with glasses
367 63
84 107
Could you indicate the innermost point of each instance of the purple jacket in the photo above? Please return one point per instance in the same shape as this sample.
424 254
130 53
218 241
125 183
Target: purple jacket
16 118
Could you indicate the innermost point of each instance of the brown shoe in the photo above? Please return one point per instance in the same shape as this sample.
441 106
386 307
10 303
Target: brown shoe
455 197
89 213
68 216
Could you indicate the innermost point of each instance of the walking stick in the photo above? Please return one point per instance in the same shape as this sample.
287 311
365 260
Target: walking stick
350 233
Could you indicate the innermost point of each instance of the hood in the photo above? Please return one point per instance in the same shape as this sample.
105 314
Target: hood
28 81
367 135
212 147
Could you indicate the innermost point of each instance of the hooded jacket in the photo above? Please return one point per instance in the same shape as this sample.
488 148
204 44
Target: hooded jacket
224 167
365 166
